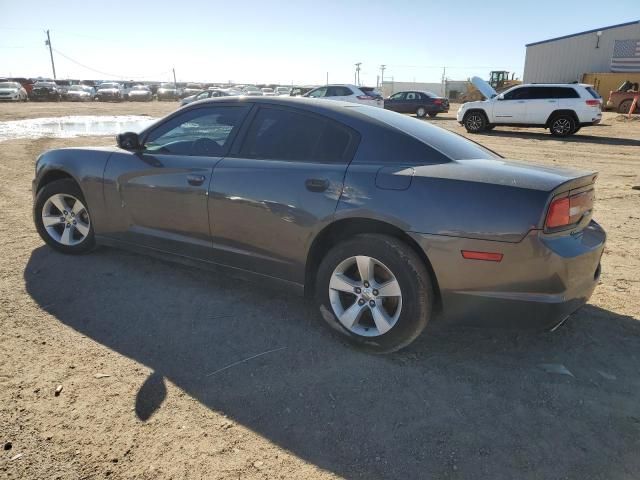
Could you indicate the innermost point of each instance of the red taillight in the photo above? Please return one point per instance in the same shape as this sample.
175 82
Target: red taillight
569 210
437 101
365 97
593 103
486 256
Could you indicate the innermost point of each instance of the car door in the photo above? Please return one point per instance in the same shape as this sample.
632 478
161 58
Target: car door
512 106
394 102
157 197
411 102
542 102
339 92
278 187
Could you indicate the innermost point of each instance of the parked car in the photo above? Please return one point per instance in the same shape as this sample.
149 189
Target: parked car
63 86
203 95
167 91
80 93
300 91
563 108
282 91
191 89
252 91
140 93
348 93
268 92
621 100
421 103
26 83
45 91
13 92
382 219
110 92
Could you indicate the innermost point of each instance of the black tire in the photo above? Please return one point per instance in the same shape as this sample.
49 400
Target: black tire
475 122
488 128
562 125
625 106
577 129
69 187
412 277
421 112
433 114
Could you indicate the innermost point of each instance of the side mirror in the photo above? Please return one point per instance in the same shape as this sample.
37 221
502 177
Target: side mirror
500 97
129 141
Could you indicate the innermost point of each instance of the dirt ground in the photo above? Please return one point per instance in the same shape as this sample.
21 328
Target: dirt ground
138 346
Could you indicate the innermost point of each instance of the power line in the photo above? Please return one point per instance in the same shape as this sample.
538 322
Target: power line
106 73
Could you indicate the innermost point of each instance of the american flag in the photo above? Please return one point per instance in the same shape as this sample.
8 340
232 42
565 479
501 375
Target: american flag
626 56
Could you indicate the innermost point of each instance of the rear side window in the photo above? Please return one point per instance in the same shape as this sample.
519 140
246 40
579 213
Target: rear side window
338 92
541 93
593 93
284 134
372 92
565 92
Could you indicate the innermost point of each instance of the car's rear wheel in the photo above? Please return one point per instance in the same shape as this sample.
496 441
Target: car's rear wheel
62 217
433 114
625 106
475 122
421 112
375 291
562 125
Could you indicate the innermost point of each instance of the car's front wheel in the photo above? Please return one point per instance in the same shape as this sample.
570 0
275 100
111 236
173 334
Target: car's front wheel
475 122
375 291
62 217
562 126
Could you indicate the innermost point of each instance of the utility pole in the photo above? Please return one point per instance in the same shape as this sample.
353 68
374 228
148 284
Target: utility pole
175 84
53 65
382 69
357 77
327 78
444 85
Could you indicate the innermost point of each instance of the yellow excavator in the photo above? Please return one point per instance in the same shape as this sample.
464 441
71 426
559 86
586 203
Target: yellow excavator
498 79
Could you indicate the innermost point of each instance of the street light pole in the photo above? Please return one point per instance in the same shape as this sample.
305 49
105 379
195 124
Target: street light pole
357 77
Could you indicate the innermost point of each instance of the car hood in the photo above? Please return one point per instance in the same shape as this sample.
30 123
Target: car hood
505 172
9 90
485 89
108 90
139 92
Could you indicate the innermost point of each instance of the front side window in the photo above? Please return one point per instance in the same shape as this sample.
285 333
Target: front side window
518 94
397 96
202 132
283 134
318 92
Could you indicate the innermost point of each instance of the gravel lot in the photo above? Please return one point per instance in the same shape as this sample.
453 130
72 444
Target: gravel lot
137 345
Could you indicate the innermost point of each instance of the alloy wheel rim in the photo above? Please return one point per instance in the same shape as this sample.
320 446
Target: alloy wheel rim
474 122
66 219
365 296
562 126
421 112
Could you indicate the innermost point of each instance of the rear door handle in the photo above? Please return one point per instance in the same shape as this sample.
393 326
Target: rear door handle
316 184
195 180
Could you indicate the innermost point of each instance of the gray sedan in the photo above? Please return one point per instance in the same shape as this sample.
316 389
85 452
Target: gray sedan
382 220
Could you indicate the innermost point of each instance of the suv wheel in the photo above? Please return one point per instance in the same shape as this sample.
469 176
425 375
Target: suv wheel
62 217
421 112
375 291
562 126
475 122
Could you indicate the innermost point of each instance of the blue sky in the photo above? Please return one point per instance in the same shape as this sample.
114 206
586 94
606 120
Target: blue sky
249 41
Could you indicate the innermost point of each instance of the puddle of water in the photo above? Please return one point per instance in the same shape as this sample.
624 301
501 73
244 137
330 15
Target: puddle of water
73 126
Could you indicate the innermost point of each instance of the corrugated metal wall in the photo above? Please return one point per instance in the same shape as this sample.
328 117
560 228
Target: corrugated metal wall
567 59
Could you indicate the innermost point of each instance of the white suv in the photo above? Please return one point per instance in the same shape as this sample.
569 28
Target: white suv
562 108
348 93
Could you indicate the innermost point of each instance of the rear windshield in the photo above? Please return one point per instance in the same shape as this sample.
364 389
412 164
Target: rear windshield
593 93
454 146
371 91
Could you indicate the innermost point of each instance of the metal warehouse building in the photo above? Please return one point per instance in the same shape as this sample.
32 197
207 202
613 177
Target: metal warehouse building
566 59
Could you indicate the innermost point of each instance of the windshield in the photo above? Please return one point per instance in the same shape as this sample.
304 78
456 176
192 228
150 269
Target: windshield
141 87
167 85
107 85
251 89
79 88
282 89
45 84
454 146
9 85
267 90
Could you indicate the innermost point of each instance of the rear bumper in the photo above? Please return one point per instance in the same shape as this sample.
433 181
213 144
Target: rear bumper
539 282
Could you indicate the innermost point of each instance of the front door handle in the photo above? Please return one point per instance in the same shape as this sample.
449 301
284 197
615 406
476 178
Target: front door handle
195 180
317 184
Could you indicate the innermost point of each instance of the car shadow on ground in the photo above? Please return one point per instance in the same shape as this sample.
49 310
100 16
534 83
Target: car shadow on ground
578 137
461 402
